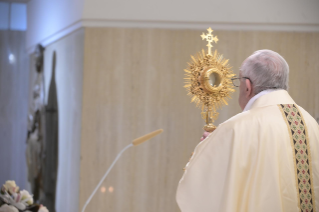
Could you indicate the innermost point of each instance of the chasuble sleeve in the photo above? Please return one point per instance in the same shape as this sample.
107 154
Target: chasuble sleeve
207 171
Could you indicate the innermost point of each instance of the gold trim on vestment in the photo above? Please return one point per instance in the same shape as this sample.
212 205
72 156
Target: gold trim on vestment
310 163
293 153
299 139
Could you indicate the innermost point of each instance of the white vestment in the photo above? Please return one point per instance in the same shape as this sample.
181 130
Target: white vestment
248 164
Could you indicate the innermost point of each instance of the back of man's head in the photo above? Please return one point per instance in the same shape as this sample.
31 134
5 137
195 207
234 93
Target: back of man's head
267 70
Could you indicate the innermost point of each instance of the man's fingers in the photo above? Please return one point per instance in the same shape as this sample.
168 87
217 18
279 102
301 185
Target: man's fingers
205 134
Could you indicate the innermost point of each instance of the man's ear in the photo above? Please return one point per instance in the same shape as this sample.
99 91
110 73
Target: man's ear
249 88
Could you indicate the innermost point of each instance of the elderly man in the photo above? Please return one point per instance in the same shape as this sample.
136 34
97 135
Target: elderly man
263 159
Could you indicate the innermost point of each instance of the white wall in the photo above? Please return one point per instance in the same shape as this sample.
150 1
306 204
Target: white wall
47 18
226 11
50 20
69 73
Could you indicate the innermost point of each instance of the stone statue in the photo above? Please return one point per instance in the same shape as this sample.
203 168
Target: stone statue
36 131
42 140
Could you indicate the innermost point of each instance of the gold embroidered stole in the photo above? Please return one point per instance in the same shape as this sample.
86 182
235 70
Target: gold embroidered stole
297 130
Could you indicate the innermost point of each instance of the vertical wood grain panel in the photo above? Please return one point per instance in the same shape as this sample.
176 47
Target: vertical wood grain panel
133 84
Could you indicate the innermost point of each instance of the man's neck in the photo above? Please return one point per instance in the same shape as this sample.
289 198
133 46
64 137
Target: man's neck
254 98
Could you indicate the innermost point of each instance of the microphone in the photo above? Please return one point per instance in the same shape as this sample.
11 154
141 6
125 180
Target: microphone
146 137
135 142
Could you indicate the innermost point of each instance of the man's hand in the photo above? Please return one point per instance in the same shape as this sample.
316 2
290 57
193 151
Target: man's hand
204 135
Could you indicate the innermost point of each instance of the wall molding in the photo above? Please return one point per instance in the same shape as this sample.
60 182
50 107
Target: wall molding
56 36
176 25
203 25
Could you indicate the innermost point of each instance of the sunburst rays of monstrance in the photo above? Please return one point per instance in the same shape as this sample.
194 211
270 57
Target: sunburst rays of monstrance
208 81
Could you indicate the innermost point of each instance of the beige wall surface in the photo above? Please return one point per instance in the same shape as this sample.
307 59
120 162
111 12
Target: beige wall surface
133 84
69 67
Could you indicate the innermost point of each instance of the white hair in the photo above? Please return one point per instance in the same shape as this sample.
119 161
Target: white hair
266 69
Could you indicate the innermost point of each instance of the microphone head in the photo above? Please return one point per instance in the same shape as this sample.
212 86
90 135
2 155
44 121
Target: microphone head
146 137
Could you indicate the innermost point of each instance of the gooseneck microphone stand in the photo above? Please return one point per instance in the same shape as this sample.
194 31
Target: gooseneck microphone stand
134 143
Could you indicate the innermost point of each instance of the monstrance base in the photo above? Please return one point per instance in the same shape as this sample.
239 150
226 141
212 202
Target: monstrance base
209 127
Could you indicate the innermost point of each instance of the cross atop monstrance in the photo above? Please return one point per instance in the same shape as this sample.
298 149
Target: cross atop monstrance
209 38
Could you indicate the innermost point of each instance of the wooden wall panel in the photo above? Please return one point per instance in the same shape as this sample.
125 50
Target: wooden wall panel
133 84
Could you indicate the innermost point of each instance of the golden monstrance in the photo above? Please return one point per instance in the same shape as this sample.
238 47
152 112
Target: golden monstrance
208 81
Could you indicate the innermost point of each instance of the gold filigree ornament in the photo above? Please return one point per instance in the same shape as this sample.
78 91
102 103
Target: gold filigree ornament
208 81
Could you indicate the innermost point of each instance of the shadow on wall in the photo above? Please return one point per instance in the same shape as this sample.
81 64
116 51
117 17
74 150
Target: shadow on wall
51 143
